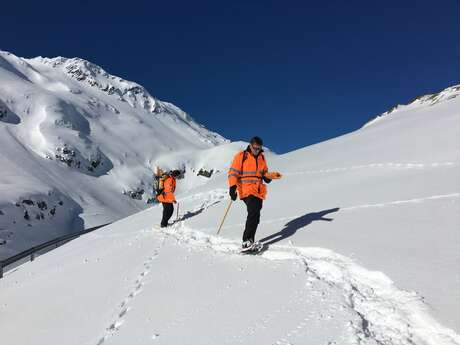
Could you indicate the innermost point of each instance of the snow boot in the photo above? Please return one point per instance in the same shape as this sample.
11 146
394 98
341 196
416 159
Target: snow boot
247 245
250 247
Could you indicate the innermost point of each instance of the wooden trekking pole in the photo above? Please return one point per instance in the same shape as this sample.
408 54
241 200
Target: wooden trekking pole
225 215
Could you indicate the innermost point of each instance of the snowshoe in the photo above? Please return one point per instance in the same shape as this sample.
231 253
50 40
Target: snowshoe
250 247
246 245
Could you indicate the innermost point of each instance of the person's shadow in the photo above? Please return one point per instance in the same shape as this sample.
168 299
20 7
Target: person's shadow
291 227
191 214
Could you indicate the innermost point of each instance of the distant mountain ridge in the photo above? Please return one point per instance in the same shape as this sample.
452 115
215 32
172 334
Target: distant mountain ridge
447 94
78 146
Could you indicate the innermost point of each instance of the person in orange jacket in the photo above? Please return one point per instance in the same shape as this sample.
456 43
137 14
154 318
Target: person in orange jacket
165 195
247 176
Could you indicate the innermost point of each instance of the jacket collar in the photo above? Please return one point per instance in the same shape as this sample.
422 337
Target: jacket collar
248 149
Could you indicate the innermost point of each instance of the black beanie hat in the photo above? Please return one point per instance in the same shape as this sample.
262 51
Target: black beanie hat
257 140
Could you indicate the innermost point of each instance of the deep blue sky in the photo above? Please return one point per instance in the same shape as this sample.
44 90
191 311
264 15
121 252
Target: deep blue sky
293 72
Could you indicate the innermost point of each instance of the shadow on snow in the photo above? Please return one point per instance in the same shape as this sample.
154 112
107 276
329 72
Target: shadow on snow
291 227
191 214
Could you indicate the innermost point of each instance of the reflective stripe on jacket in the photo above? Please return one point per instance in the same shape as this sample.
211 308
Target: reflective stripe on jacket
247 172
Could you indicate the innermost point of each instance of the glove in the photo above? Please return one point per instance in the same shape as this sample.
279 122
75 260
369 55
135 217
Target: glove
273 175
232 192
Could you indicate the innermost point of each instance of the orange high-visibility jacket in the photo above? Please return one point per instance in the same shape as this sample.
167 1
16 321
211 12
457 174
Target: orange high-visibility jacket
169 186
247 173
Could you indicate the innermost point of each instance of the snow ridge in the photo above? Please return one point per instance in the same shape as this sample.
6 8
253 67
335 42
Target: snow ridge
125 91
420 101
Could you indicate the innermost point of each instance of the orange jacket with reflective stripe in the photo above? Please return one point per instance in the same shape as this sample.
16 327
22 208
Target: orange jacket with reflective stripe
246 173
169 186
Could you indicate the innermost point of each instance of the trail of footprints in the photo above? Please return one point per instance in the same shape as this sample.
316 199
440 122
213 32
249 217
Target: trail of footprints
264 321
124 306
376 165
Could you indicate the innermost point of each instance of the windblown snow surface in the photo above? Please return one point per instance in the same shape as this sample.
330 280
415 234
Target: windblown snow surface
363 236
78 147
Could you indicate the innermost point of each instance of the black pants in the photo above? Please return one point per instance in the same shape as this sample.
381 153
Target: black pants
168 210
254 205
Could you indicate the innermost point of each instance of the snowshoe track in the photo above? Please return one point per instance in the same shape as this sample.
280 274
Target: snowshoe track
392 165
384 313
455 195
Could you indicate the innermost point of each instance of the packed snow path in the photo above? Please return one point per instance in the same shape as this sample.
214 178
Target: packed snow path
131 284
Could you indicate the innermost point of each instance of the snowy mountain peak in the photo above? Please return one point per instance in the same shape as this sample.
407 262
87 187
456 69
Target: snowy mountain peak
421 101
432 99
72 132
86 72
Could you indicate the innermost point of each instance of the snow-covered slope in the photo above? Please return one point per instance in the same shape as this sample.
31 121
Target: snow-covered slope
363 235
420 102
73 139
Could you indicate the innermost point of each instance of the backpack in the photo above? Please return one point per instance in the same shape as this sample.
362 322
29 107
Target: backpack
158 180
